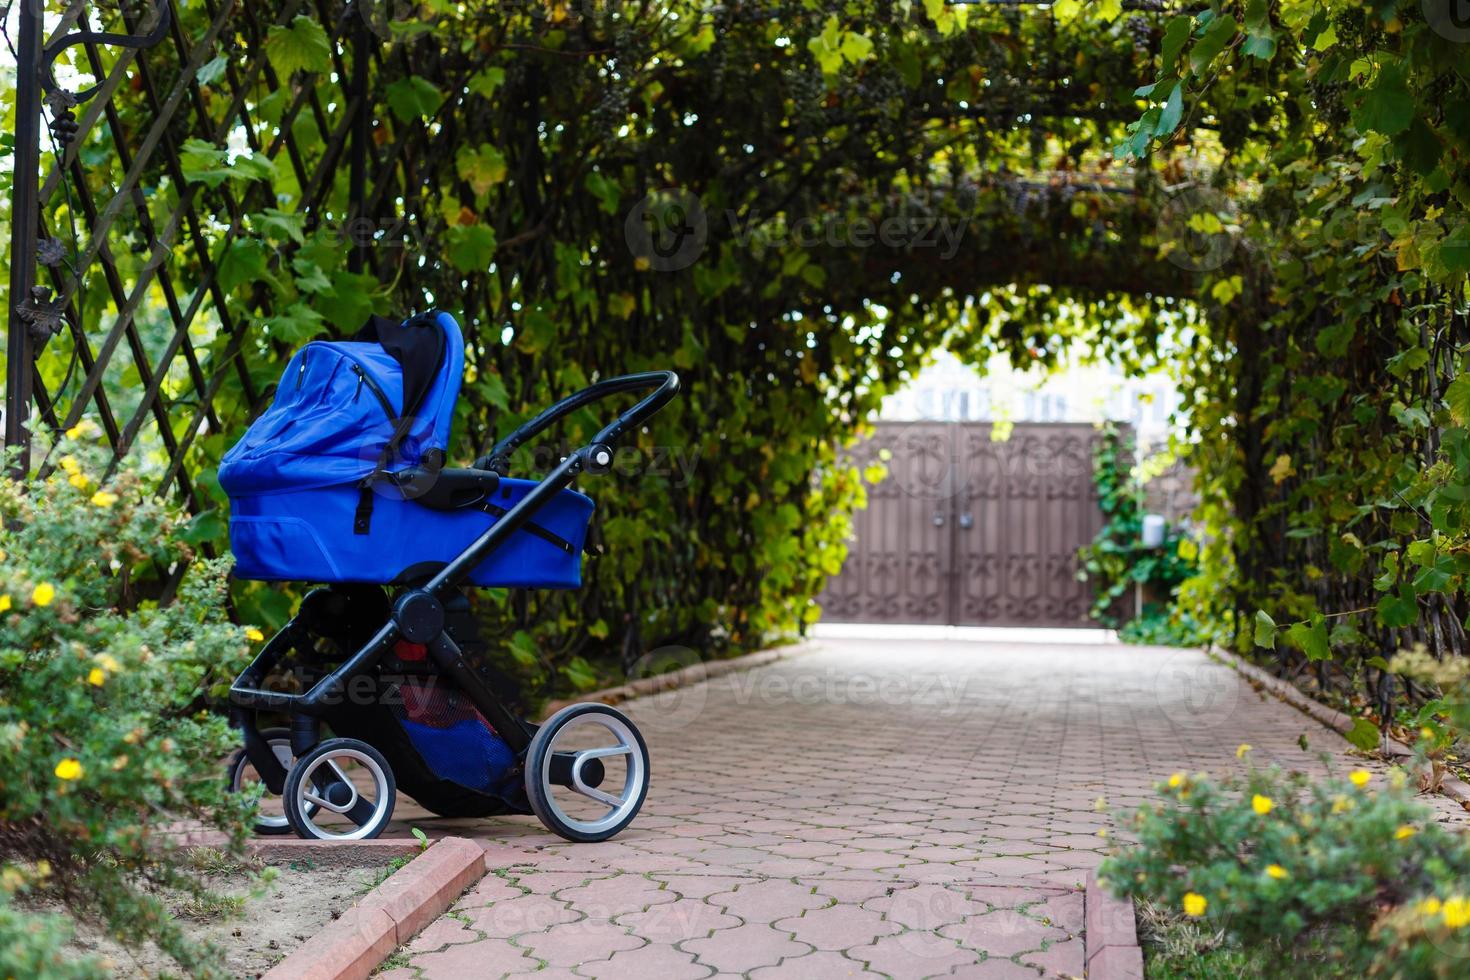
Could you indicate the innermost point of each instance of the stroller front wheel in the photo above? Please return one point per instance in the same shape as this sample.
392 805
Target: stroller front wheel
342 789
571 757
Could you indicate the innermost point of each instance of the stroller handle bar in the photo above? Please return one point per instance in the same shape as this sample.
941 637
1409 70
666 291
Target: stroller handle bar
666 384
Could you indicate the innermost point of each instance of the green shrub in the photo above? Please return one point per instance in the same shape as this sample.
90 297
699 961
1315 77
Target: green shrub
108 744
1350 873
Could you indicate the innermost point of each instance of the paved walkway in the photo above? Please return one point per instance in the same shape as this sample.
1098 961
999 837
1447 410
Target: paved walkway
899 808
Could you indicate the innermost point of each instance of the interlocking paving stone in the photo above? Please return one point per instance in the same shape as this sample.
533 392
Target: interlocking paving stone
878 808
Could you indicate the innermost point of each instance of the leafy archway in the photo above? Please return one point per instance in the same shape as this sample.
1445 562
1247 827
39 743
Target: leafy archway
793 204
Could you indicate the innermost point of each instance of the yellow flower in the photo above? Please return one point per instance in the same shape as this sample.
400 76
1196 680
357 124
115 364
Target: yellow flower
1360 777
4 603
109 664
68 769
1341 803
96 678
1456 912
43 594
1176 780
104 499
70 465
1194 905
1426 732
254 635
1404 832
1430 906
79 430
78 480
1261 804
1276 871
1241 750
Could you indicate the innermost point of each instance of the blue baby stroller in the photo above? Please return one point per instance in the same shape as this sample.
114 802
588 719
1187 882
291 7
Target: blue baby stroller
342 482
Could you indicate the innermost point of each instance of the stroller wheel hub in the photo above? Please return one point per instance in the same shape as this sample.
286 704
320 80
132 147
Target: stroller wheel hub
419 616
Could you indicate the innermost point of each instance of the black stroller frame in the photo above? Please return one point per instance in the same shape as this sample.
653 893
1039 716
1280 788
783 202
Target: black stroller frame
418 616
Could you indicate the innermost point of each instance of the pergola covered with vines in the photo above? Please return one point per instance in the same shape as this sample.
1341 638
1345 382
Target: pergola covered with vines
749 190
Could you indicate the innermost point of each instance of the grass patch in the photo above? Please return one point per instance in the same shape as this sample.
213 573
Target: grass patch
208 908
388 870
1178 948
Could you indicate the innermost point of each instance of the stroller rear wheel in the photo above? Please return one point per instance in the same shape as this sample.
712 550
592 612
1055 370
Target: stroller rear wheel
587 772
242 774
341 790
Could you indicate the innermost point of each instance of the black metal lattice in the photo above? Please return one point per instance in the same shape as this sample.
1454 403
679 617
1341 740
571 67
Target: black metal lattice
117 311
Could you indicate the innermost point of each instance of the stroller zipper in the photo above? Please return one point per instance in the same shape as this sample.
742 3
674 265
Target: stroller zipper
301 371
363 379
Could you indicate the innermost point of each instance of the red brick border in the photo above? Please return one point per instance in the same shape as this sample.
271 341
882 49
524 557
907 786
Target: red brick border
1110 936
353 945
1339 722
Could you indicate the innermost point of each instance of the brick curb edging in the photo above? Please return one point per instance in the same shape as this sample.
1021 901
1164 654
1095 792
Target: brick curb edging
693 674
353 945
1456 789
1110 935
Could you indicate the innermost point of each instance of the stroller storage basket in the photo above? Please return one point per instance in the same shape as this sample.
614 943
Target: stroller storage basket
307 535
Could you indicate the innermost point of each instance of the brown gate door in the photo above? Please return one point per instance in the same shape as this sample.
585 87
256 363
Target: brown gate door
971 531
898 565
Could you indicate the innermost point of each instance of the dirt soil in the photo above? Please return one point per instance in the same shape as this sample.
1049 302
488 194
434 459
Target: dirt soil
254 937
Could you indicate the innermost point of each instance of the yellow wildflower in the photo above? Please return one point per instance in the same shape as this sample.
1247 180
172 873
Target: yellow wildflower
1177 780
1456 912
70 465
1261 804
4 603
1360 777
104 499
1426 732
43 594
1194 905
1404 832
1341 803
78 480
1430 906
79 430
1276 871
68 769
254 635
109 663
96 678
1241 750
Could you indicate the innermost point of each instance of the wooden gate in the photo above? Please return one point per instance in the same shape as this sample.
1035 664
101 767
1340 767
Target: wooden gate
971 531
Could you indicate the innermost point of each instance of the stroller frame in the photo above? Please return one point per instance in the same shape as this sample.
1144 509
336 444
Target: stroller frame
418 614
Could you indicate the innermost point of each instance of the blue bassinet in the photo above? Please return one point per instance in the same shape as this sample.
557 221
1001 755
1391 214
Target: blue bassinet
312 489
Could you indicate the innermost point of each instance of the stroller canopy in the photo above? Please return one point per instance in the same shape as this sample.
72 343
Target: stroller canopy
343 410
